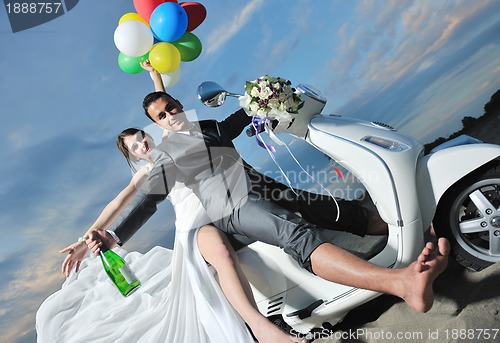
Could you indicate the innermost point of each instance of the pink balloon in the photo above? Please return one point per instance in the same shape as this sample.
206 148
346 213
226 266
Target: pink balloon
196 13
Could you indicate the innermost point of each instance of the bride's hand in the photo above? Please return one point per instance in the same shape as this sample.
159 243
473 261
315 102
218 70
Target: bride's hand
96 240
76 253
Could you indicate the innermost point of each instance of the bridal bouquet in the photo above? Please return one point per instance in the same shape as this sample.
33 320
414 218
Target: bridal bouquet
271 98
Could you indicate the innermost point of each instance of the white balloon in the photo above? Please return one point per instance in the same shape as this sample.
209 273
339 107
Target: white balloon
170 79
133 38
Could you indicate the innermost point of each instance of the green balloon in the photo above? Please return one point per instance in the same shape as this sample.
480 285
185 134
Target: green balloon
131 65
189 46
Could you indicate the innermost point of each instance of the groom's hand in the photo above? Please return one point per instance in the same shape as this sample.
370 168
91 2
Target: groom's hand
97 238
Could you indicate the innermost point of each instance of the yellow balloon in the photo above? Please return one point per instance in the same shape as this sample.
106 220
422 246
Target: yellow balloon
132 16
164 57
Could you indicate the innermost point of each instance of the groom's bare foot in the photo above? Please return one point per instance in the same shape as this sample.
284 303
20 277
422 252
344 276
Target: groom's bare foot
421 274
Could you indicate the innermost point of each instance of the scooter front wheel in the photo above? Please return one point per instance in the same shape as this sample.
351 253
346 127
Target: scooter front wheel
469 216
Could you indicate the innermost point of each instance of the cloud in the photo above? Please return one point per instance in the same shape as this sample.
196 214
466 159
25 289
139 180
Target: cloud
228 30
386 73
25 283
300 18
445 100
399 39
45 181
20 137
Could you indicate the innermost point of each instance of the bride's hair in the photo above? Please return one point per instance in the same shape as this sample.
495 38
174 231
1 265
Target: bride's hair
120 143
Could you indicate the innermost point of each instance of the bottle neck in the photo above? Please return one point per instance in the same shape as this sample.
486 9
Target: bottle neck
104 247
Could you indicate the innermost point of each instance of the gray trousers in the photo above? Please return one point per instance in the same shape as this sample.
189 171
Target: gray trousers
264 221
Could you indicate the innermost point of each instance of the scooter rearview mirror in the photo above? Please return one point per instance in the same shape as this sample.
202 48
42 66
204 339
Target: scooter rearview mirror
211 94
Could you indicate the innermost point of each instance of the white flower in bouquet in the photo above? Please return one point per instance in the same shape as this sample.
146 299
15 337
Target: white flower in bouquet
271 98
255 92
254 107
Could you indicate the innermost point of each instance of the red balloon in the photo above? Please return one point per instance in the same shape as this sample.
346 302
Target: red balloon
146 7
196 13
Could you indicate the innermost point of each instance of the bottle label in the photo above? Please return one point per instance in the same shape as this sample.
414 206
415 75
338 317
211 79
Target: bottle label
128 274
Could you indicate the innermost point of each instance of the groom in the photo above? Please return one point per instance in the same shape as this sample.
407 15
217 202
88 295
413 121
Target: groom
205 160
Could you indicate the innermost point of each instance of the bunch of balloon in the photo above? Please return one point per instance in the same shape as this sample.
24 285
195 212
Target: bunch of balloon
160 31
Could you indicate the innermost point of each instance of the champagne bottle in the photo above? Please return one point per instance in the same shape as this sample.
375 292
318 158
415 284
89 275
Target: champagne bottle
118 271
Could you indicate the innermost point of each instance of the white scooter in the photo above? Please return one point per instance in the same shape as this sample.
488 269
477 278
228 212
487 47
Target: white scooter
456 187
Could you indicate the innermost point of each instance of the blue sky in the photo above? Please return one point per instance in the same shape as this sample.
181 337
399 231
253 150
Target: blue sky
418 65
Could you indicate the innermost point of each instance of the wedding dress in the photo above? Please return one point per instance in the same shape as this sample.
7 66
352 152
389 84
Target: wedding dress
179 300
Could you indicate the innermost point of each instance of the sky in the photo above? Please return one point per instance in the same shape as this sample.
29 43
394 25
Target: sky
420 66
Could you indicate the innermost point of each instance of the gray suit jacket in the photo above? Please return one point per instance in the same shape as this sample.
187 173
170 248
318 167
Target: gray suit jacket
204 162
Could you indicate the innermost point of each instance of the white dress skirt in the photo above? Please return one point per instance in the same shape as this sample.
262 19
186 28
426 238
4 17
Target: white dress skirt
179 299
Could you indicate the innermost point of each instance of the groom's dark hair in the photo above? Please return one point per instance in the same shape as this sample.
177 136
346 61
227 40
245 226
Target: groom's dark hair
152 97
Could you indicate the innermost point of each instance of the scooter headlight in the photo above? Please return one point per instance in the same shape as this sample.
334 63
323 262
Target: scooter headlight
386 143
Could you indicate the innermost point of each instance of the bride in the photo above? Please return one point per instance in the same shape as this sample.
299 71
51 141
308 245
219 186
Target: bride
180 299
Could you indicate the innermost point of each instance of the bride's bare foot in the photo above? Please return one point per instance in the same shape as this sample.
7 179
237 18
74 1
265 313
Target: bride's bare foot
421 274
267 332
